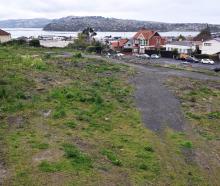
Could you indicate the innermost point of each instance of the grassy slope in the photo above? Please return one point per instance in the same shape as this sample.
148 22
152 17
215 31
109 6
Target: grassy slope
200 102
72 121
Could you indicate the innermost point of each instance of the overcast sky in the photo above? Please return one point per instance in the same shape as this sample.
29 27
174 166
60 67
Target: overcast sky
203 11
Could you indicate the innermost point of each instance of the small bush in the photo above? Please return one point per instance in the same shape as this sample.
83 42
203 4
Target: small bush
34 43
78 55
149 149
187 144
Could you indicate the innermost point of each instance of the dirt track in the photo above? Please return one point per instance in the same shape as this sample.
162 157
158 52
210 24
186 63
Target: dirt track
158 106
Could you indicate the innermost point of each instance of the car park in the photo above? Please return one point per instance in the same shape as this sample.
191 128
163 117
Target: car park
207 61
155 56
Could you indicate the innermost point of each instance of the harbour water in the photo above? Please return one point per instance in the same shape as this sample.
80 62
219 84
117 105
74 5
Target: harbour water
35 32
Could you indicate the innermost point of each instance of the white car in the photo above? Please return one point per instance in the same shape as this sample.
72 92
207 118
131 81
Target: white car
155 56
120 55
207 61
144 56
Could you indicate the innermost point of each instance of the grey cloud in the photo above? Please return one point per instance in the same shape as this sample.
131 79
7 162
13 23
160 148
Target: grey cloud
154 10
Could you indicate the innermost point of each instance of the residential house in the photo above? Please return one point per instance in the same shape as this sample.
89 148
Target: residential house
182 47
147 40
211 46
4 36
121 44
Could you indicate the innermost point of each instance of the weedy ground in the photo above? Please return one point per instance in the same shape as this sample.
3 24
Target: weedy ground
69 120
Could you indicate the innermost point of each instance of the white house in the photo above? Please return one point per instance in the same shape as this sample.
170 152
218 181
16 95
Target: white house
211 47
183 47
4 36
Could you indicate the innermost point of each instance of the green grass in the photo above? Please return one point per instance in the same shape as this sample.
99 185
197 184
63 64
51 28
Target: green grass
80 124
112 157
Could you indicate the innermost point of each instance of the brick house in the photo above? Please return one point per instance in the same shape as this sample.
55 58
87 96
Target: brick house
147 40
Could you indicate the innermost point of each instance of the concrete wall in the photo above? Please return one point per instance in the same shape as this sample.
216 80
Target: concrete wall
4 39
55 43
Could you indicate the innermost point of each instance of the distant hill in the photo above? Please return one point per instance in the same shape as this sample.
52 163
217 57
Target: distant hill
24 23
73 23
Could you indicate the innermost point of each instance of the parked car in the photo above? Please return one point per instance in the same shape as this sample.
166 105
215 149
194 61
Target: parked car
137 55
119 55
144 56
207 61
192 60
155 56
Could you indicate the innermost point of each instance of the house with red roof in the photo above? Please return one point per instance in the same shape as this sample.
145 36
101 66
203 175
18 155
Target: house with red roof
4 36
147 40
121 44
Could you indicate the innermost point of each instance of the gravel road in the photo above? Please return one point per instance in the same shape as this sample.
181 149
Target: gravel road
158 106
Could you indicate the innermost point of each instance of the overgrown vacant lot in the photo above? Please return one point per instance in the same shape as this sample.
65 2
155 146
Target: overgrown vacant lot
68 120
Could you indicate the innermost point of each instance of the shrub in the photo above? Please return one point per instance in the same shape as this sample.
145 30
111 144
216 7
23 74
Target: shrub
34 43
149 149
78 55
186 144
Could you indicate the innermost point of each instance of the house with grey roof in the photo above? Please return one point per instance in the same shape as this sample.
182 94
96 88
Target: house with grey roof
183 47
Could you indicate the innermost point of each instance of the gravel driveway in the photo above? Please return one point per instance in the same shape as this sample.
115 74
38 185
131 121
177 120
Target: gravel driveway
158 106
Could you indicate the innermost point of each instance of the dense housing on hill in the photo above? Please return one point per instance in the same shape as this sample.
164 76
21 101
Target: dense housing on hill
73 23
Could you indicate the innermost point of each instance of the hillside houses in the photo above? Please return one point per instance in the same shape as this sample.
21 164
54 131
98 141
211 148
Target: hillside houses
4 36
143 40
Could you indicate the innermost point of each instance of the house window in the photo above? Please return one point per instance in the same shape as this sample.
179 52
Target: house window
143 42
207 44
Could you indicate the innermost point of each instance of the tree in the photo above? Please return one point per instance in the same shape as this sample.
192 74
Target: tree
204 35
181 38
84 39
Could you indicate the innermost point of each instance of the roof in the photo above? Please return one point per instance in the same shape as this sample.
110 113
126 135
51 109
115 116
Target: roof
182 43
4 33
119 43
147 34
